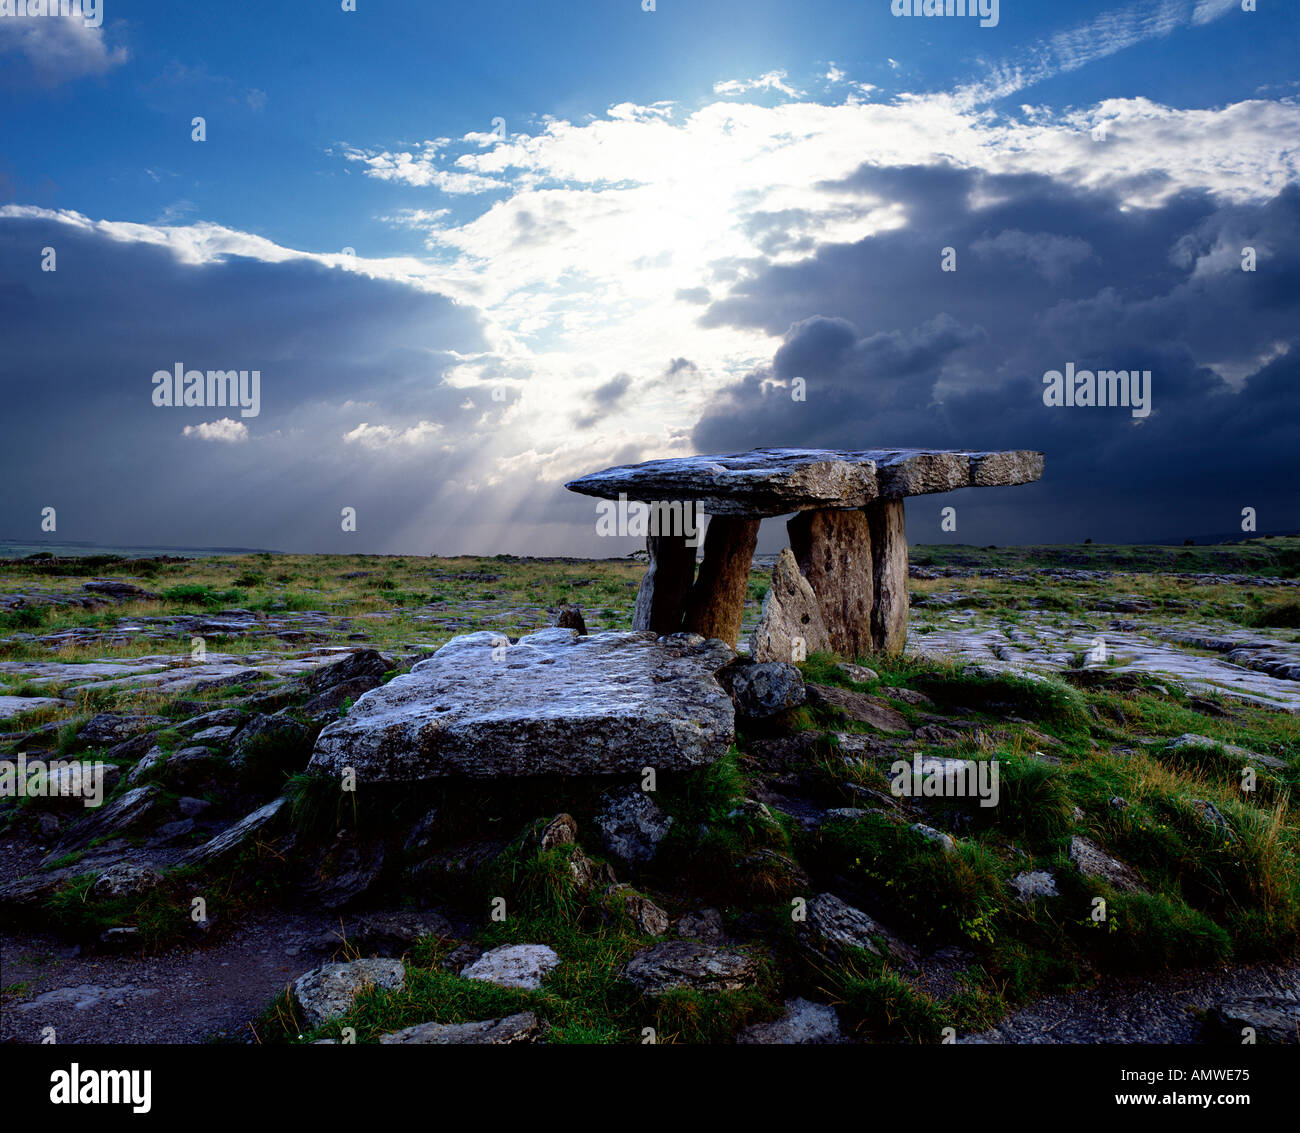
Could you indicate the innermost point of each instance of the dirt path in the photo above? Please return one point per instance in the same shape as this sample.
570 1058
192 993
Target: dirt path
184 996
1139 1009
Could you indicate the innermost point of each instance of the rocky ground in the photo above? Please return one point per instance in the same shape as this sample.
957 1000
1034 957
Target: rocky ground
504 873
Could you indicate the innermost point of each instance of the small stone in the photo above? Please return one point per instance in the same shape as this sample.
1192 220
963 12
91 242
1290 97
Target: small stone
804 1024
945 841
514 965
124 880
705 926
1038 883
1093 861
859 674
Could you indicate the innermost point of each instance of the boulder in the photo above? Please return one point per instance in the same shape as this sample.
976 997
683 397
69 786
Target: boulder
677 964
631 825
704 926
763 689
366 665
553 703
329 991
521 1028
514 965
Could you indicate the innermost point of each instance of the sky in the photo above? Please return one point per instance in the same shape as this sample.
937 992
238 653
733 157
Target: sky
474 250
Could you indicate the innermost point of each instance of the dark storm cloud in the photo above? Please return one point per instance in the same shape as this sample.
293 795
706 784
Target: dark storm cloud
335 350
896 352
604 400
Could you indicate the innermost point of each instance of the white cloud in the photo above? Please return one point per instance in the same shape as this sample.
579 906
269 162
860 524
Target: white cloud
226 431
1104 35
772 80
386 436
58 49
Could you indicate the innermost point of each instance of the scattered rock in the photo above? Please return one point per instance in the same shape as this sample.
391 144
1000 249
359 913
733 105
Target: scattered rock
120 591
678 964
1038 883
521 1028
647 917
126 812
834 925
804 1023
765 688
109 728
234 836
569 617
328 991
1213 817
1093 861
1274 1018
705 926
859 706
514 965
859 674
124 880
631 825
1188 739
930 834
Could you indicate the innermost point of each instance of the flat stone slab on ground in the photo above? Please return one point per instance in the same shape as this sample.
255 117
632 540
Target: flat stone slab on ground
776 481
554 703
521 1028
16 705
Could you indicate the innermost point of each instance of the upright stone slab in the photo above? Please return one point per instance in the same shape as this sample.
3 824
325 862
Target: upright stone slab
791 625
716 602
833 549
661 600
554 703
889 570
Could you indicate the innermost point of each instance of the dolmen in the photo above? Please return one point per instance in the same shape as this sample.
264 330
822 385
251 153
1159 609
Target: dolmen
841 586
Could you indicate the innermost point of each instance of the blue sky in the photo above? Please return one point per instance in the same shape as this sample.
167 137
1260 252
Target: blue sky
678 197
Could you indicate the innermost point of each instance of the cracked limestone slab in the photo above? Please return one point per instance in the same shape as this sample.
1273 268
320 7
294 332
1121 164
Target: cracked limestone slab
555 702
776 481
